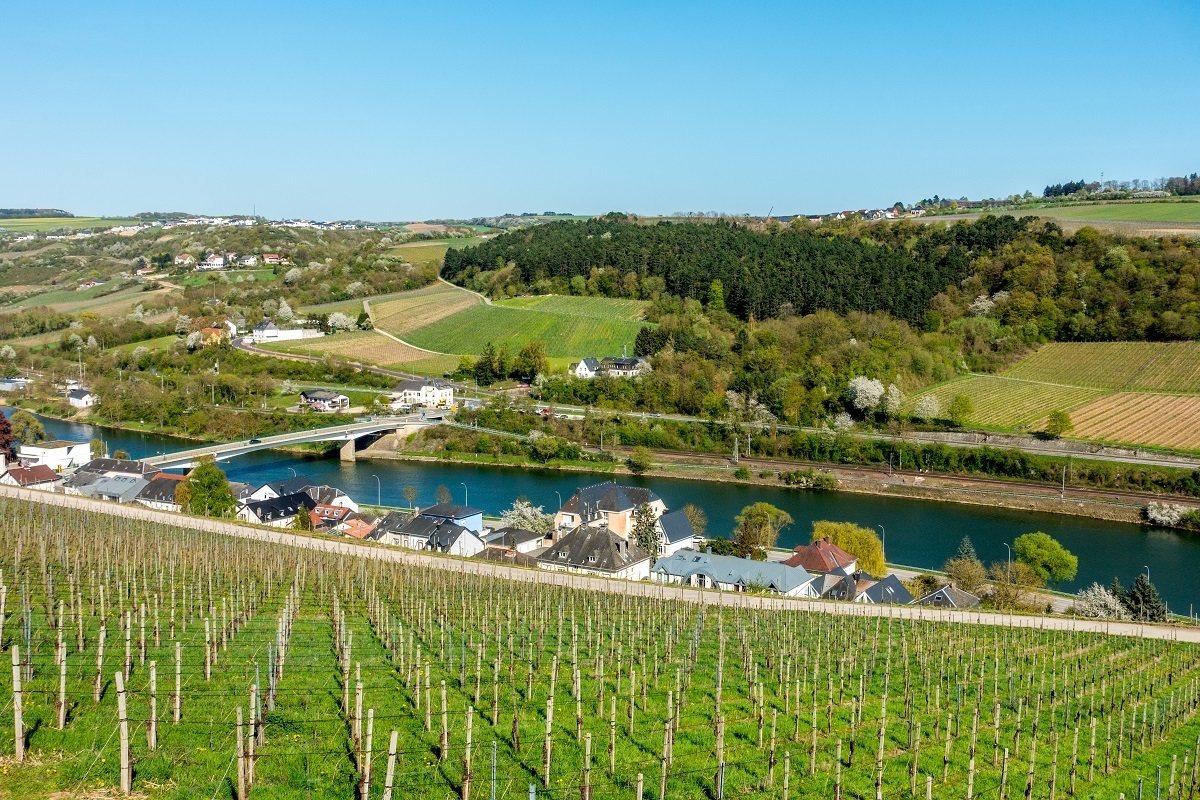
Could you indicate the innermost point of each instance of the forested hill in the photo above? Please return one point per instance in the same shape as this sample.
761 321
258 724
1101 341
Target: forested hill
796 271
1022 278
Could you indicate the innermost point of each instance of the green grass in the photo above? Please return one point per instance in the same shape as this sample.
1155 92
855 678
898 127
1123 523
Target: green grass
1125 366
161 343
232 275
1004 403
587 307
565 335
37 224
1167 211
428 251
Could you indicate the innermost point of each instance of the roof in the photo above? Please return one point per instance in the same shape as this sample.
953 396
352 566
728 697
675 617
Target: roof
450 511
511 537
358 527
327 513
322 394
324 495
266 325
445 535
949 596
608 496
161 488
292 485
591 363
732 570
122 487
417 385
676 527
393 521
28 476
52 445
287 505
820 556
623 363
592 548
118 465
79 394
503 555
888 590
241 491
420 526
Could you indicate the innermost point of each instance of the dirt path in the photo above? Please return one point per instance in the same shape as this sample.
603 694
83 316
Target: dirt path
394 338
588 583
486 300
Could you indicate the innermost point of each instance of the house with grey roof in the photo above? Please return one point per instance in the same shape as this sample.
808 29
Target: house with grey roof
296 483
949 596
586 369
675 533
516 539
731 574
889 590
607 504
278 512
467 517
594 550
115 488
159 493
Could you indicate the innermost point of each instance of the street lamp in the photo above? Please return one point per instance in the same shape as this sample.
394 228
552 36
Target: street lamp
293 472
1009 554
884 543
1147 573
466 495
559 499
378 491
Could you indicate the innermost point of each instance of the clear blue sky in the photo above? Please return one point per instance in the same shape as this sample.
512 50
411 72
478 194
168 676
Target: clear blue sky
396 110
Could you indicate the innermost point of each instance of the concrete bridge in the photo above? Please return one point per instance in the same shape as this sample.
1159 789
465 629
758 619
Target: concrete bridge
349 434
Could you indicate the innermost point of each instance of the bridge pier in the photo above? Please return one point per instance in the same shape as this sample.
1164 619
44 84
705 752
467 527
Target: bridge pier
347 451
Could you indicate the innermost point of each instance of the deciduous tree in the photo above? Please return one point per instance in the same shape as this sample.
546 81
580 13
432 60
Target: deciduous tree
862 543
758 528
1047 557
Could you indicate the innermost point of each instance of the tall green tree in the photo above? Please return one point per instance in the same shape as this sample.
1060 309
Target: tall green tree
531 361
208 491
485 366
862 543
758 528
645 531
443 494
27 428
1058 423
966 549
1048 558
1142 602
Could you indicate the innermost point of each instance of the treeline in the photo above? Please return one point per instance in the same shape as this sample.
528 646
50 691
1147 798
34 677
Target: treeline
1186 185
788 271
32 213
1070 187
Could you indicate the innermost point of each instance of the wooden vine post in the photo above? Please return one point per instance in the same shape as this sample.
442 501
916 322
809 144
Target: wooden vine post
18 723
123 716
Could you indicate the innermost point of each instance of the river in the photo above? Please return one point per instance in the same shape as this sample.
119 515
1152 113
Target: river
920 533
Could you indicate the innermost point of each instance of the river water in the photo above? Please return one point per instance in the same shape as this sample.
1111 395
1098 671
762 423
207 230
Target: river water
919 533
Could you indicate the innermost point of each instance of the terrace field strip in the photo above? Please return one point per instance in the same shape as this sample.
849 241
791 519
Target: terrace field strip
904 699
1159 420
37 224
1170 211
588 307
1127 366
1000 402
419 308
431 251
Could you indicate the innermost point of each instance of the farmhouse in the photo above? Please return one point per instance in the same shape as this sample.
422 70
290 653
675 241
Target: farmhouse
324 400
422 394
210 336
597 551
730 574
267 331
159 493
82 398
609 505
57 455
586 369
36 477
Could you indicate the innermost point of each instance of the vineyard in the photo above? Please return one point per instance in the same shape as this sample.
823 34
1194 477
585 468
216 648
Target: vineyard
169 662
566 335
420 307
1126 366
1162 420
368 347
606 308
999 402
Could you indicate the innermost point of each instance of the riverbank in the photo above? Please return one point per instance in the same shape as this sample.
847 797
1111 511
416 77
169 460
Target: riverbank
1117 507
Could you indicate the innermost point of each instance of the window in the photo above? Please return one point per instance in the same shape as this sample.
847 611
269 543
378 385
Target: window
592 559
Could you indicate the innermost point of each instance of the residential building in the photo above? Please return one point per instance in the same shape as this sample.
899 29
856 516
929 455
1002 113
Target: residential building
822 556
212 261
609 505
469 518
38 476
324 400
358 526
730 574
506 556
594 550
675 533
185 259
209 336
57 454
332 496
516 539
248 261
278 512
586 369
296 483
274 259
414 533
889 590
267 331
388 531
949 596
13 384
625 367
409 394
115 488
327 517
159 492
455 540
82 398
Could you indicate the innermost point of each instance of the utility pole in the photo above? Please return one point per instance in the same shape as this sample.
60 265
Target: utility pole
1062 495
735 448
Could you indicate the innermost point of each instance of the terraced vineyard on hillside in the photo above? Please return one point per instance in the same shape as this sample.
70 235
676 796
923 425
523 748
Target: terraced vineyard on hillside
1004 403
1127 366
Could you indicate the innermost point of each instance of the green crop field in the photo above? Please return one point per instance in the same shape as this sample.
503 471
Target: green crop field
1171 211
427 251
1127 366
161 343
1005 403
352 676
588 307
566 335
35 224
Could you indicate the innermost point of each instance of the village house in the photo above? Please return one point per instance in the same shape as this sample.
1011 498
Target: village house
286 486
730 574
274 260
675 533
278 512
859 587
58 454
516 539
949 596
248 261
455 540
388 531
159 492
586 369
185 260
18 384
625 367
35 477
324 400
267 331
212 261
465 516
211 336
357 526
100 468
327 517
115 488
331 496
592 550
409 394
822 556
82 398
609 505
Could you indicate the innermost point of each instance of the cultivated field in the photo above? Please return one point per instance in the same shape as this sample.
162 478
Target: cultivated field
1129 366
419 308
179 664
587 307
371 348
1170 211
567 335
1005 403
51 223
431 251
1159 420
93 300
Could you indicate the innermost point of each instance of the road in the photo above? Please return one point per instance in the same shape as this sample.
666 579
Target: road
588 583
